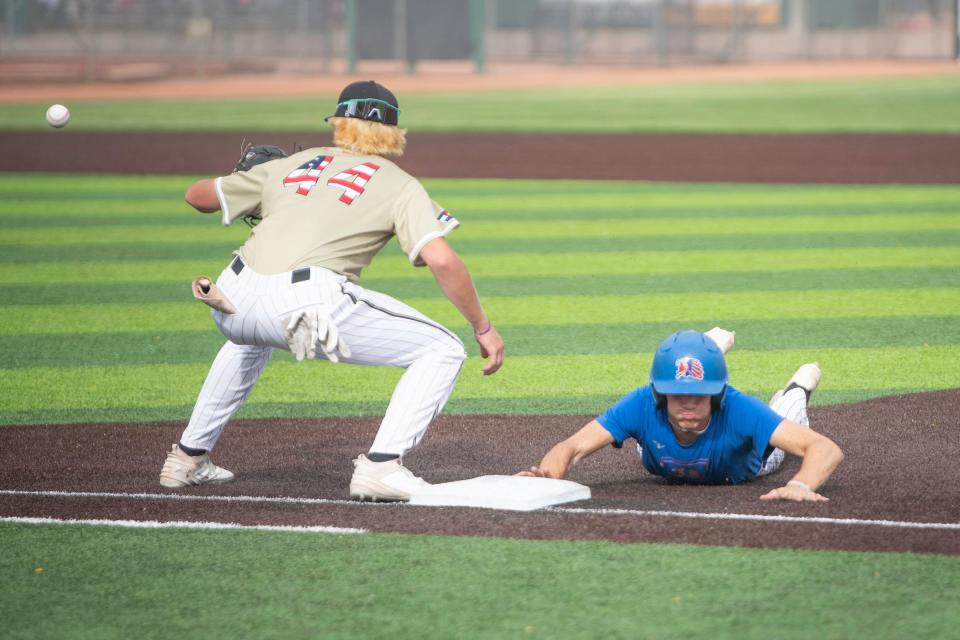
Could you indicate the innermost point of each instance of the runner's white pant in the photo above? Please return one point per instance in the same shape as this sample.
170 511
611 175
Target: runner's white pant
378 329
793 406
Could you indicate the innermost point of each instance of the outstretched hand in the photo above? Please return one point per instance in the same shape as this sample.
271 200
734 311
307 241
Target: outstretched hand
491 346
536 472
795 493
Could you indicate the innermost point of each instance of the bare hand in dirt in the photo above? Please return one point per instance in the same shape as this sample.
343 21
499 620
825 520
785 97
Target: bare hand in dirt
794 493
536 472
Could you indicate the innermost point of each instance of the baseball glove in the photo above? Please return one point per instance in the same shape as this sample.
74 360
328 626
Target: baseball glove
253 154
250 156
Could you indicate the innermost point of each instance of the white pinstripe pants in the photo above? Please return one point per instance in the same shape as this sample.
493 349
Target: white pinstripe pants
379 330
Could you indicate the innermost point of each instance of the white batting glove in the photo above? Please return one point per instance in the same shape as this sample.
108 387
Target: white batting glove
309 330
297 334
328 339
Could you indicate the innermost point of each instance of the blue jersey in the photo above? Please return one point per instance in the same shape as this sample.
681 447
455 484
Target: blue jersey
731 450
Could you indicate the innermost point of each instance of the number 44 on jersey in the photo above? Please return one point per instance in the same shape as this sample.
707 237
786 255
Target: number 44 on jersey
352 181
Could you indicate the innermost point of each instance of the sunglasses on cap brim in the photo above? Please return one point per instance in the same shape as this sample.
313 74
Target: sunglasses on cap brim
370 109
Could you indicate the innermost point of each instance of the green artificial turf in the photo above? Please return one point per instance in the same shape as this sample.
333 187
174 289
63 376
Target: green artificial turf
184 347
663 230
918 104
67 581
582 278
523 379
681 308
594 284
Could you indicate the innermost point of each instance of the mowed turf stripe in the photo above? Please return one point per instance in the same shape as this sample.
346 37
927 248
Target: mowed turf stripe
92 235
468 246
524 265
69 186
713 215
24 390
130 251
185 220
425 287
587 406
200 346
24 193
506 229
667 191
727 226
545 310
131 210
259 584
493 204
469 214
45 188
647 202
789 105
81 187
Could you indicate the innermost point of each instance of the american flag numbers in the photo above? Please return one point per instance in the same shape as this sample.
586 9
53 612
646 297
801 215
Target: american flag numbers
352 181
305 177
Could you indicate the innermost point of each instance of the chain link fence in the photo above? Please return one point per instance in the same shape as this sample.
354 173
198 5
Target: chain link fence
220 36
669 31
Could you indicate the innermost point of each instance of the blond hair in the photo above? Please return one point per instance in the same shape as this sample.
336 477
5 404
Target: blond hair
366 137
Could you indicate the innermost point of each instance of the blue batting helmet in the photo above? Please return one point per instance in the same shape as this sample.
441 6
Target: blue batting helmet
688 363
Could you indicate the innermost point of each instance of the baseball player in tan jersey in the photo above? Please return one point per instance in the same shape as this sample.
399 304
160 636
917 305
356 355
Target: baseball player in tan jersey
324 213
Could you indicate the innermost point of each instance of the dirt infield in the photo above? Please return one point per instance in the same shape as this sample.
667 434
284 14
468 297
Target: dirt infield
898 469
849 158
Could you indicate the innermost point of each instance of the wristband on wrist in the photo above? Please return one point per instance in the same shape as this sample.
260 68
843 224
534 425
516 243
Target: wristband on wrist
485 331
803 485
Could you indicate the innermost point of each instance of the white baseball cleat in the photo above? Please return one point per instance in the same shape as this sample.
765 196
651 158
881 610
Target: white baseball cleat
388 481
806 377
182 470
722 337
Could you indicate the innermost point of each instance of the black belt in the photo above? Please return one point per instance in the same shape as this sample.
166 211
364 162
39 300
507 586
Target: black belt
297 275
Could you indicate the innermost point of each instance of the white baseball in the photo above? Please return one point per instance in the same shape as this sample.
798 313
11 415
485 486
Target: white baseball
58 116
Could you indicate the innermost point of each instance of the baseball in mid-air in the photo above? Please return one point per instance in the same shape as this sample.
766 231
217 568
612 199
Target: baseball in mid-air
58 116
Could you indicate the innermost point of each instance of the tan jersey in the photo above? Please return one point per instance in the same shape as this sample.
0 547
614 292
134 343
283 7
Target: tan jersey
327 208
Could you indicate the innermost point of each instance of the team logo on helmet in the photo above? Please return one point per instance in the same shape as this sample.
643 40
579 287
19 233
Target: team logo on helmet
689 367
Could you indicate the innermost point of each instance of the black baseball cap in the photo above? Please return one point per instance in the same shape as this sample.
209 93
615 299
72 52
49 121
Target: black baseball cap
368 100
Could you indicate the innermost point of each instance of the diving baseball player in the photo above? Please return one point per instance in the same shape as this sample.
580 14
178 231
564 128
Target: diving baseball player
691 426
322 214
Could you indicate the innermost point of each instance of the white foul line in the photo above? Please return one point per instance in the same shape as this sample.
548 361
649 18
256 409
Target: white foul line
572 510
187 497
760 518
174 524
